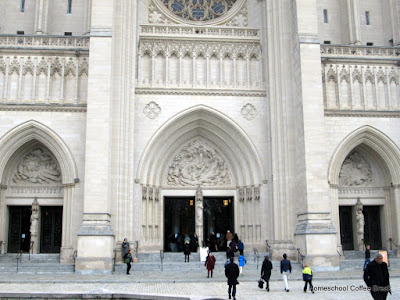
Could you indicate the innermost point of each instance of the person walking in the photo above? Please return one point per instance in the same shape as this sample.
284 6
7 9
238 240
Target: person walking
195 242
228 237
125 247
307 277
367 256
210 264
128 261
240 247
376 277
266 271
286 269
232 273
242 262
186 250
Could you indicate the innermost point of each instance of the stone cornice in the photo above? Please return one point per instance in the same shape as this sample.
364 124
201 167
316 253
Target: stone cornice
41 42
362 114
44 52
43 107
209 92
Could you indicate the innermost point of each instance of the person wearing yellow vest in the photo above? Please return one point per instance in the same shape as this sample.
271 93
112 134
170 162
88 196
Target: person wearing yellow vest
307 277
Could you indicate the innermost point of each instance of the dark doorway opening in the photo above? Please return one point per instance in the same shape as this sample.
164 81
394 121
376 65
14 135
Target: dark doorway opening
372 227
217 218
51 229
19 234
179 217
346 227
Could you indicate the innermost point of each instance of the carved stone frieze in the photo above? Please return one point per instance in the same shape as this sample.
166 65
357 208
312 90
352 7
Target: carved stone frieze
355 171
55 190
152 110
37 167
249 112
198 164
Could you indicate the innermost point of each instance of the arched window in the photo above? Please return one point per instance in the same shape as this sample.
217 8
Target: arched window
22 5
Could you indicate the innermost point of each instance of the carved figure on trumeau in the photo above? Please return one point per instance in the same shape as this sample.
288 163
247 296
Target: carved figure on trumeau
355 171
198 164
199 213
360 225
35 225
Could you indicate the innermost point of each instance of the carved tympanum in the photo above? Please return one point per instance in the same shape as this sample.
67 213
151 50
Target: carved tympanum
37 167
355 171
198 164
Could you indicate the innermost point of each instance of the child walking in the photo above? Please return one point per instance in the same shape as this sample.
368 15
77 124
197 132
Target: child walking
242 262
307 277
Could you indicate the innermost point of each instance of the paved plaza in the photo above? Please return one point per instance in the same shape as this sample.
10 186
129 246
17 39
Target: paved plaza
189 283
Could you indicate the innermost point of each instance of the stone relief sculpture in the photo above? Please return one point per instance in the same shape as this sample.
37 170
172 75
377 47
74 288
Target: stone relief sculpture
38 167
152 110
360 225
198 164
249 112
355 171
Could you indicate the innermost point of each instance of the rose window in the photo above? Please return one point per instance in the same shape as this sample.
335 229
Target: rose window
199 10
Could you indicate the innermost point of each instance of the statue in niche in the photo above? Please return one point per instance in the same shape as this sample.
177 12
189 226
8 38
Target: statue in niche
38 167
198 164
355 171
360 225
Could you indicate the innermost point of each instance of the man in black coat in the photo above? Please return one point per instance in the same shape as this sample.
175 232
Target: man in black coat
376 276
232 273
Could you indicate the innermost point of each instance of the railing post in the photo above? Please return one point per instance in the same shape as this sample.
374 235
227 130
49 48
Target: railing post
162 259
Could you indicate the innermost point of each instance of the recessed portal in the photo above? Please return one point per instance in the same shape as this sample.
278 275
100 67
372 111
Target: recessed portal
346 227
372 227
218 218
179 221
19 234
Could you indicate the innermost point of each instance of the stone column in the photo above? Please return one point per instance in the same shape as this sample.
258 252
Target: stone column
199 215
315 234
35 217
396 209
95 236
42 9
353 8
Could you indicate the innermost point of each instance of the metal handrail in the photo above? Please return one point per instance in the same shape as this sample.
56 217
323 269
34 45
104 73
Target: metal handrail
19 258
340 254
74 256
30 248
256 256
114 259
268 247
300 256
162 259
392 242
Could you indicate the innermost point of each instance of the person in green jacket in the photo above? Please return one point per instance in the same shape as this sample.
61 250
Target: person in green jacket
307 277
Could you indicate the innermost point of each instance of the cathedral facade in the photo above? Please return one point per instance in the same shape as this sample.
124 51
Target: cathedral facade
151 119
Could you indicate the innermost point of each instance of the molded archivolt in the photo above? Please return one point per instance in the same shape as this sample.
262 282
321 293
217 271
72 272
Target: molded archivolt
31 131
217 130
388 154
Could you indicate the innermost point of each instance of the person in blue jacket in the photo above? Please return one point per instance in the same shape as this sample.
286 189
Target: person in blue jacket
242 262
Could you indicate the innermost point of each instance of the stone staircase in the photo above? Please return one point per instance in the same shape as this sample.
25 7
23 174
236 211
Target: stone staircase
34 264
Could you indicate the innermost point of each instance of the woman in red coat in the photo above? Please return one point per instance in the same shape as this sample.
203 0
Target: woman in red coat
210 263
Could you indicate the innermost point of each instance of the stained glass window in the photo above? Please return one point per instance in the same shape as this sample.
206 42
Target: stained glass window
199 10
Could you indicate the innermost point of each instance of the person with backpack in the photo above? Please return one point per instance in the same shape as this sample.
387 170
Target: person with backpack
128 261
307 277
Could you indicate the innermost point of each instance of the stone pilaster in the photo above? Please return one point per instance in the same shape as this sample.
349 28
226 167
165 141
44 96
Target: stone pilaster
96 237
354 22
315 234
35 221
395 10
41 16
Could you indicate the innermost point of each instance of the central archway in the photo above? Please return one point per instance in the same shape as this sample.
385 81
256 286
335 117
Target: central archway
211 139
